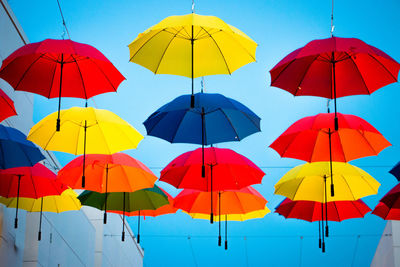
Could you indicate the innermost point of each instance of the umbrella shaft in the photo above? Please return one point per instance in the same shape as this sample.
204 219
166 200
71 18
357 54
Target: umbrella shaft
84 154
58 126
330 161
40 220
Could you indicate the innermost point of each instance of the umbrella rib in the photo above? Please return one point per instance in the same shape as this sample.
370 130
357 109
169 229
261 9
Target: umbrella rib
34 188
219 49
350 189
297 189
165 50
222 111
80 75
359 73
26 71
77 139
247 115
337 211
304 75
355 206
395 79
52 79
315 145
148 40
365 139
105 76
177 128
362 177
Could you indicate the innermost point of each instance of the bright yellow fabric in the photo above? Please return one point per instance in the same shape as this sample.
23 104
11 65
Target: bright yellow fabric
306 182
68 200
232 217
106 132
166 47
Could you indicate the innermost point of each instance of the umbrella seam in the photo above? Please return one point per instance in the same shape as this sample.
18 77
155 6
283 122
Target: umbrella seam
395 79
179 124
148 40
233 128
80 75
165 50
52 79
105 76
359 73
23 75
304 75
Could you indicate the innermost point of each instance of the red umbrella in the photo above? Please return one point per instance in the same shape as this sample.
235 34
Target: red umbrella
60 68
227 170
335 67
314 139
31 182
315 211
388 207
7 108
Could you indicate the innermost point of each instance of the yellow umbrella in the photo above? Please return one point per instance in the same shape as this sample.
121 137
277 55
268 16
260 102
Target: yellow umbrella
68 200
308 182
192 46
85 130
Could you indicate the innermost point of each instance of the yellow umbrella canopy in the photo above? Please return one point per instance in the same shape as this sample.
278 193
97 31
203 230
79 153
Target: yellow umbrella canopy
192 46
308 182
67 201
85 130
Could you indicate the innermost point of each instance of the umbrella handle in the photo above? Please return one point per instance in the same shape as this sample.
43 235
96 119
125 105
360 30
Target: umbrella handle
123 236
58 124
16 223
226 244
332 190
192 101
105 218
138 238
326 231
219 240
319 243
323 247
39 235
211 217
336 122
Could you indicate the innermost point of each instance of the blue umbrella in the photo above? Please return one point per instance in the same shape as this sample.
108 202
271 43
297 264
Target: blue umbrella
16 151
396 171
213 119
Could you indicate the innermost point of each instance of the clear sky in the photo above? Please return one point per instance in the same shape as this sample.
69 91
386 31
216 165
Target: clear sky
279 27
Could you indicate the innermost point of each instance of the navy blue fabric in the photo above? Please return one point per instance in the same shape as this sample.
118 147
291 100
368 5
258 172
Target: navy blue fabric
396 171
225 120
16 151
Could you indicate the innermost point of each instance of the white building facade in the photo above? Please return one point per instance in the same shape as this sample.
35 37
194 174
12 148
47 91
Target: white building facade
74 238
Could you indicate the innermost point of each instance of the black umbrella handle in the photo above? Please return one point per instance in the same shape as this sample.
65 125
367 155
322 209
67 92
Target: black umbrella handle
219 240
323 247
326 231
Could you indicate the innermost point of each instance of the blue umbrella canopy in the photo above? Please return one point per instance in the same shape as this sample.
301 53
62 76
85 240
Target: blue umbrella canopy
16 151
396 171
214 119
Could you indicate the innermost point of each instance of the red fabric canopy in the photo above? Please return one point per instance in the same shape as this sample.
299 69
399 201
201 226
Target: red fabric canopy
7 108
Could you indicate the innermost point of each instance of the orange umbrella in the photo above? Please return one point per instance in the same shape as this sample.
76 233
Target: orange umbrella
240 201
166 209
117 172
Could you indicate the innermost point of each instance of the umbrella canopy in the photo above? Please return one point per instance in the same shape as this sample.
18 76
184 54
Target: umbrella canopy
396 171
68 200
7 108
31 182
192 46
60 68
225 170
335 67
16 151
388 207
314 139
107 173
57 203
144 199
386 212
240 201
85 130
106 132
214 119
308 182
258 214
311 210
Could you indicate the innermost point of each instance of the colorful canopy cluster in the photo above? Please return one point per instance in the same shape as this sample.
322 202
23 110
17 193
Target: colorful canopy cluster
331 68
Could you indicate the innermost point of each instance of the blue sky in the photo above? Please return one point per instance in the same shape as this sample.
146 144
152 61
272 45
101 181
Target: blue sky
279 27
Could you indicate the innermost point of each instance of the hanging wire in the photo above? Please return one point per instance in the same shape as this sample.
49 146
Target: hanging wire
332 26
193 4
202 85
63 21
192 250
328 103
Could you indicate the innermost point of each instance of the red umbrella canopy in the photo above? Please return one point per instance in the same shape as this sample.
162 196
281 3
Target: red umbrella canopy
7 108
60 68
387 213
35 182
392 198
347 64
311 210
117 172
240 201
226 169
308 139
